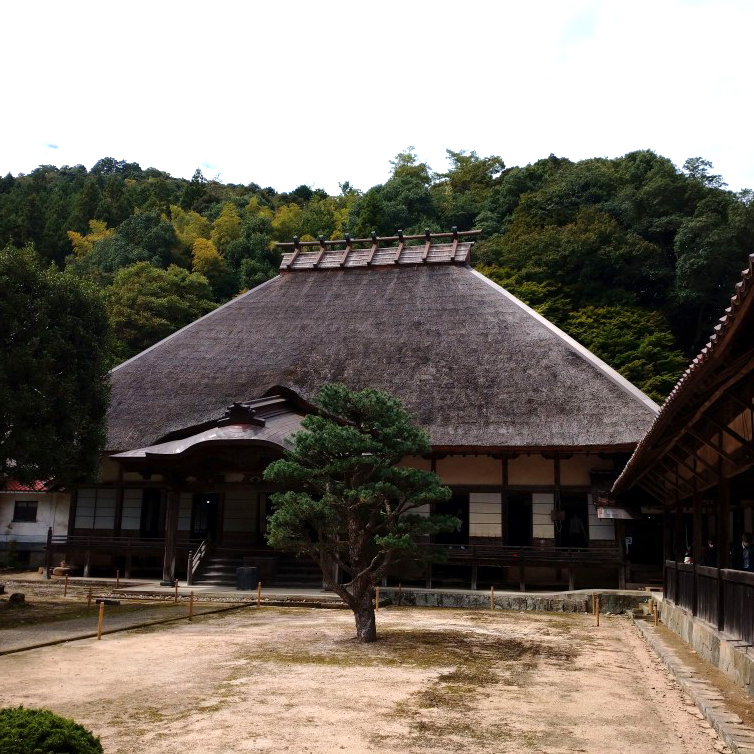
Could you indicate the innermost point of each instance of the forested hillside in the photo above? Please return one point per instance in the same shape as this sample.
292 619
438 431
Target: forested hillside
632 256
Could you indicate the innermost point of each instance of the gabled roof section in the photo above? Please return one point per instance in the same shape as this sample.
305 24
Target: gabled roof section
475 366
429 248
736 325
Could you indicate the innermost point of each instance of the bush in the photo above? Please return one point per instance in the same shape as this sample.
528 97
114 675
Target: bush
39 731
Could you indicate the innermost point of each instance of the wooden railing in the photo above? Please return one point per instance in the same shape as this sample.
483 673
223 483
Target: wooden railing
512 555
195 561
720 596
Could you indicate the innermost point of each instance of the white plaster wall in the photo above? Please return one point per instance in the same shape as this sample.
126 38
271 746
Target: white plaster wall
533 470
575 470
542 504
52 511
241 511
600 529
485 514
470 470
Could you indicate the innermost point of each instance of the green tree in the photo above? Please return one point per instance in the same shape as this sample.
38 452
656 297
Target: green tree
227 227
54 389
146 304
347 504
39 731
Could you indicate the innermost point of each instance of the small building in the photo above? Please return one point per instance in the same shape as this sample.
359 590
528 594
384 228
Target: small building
697 461
527 426
28 512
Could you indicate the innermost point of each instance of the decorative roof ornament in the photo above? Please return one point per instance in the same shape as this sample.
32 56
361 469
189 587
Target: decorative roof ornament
421 249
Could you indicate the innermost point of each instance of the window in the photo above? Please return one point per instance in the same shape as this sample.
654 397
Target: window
25 510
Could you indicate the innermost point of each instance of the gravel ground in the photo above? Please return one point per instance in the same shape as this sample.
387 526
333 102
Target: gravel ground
294 680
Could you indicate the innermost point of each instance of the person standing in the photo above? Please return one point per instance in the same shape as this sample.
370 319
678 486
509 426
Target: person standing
743 555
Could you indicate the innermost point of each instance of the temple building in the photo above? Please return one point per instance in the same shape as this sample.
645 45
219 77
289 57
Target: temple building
527 427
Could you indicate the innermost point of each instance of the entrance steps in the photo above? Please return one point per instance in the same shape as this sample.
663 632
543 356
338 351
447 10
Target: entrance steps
219 569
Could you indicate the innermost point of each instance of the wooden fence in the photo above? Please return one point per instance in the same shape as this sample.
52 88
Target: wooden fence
720 596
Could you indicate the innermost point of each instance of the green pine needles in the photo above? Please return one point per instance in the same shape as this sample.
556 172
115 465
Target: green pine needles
348 505
39 731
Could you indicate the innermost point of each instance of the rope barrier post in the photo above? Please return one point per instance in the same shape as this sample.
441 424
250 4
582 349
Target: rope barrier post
597 605
400 593
65 586
176 591
117 579
492 598
259 594
191 606
101 616
656 612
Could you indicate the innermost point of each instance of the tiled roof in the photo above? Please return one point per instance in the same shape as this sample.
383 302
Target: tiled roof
684 388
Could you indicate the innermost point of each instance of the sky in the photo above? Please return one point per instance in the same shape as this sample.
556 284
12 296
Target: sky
289 93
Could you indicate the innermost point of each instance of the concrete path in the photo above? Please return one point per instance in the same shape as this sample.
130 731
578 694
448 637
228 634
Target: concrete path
116 618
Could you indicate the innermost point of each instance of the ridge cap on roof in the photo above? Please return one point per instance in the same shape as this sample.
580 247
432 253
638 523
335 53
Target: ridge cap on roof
196 321
576 347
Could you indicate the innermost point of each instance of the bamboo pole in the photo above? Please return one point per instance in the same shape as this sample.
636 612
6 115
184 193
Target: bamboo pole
176 591
65 586
492 598
89 600
101 616
377 599
259 594
191 606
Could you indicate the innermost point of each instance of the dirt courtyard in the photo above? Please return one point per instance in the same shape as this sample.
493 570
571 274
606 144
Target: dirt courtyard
294 680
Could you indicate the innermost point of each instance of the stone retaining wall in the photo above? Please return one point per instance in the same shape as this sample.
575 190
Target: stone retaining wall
734 658
566 603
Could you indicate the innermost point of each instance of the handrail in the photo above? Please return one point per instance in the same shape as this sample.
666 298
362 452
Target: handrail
195 560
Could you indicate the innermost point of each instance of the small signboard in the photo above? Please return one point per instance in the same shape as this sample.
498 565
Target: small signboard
604 511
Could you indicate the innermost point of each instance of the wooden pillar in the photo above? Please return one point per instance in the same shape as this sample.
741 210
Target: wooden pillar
571 585
697 559
677 539
723 524
48 553
504 501
127 573
118 521
171 534
474 573
620 535
521 578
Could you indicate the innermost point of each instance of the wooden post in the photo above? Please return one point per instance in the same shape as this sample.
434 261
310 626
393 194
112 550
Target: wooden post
474 573
259 594
521 579
400 592
171 533
48 553
65 586
656 612
569 571
191 606
99 623
89 600
117 579
492 598
189 569
429 576
377 599
176 591
87 563
127 574
598 609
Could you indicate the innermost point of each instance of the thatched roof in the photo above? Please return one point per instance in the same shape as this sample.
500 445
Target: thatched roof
478 368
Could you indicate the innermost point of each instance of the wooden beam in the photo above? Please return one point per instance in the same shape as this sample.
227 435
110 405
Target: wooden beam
427 245
685 463
725 428
724 453
322 250
373 250
346 252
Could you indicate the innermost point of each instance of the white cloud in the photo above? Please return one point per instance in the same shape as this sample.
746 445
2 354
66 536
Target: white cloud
317 93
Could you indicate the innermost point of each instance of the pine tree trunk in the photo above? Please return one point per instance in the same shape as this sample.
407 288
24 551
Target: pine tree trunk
366 628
